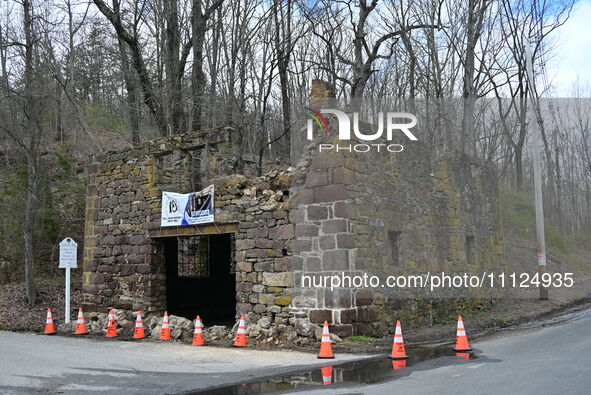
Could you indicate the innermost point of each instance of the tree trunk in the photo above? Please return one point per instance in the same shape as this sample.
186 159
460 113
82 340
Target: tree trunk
283 62
197 75
31 153
171 65
132 101
476 11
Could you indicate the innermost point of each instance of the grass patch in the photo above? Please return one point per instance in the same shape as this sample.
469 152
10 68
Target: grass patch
519 215
358 339
453 318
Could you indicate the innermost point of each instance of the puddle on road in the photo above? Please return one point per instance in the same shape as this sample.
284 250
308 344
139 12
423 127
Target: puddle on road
366 371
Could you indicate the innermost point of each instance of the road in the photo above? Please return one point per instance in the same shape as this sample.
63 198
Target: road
549 360
37 363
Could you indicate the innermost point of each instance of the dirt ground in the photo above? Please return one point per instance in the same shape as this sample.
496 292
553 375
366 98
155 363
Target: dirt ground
16 315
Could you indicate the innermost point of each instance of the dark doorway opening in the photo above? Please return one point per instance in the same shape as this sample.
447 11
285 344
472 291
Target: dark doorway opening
200 277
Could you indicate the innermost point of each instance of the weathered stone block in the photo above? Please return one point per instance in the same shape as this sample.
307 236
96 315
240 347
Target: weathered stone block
334 226
313 264
327 242
316 178
243 308
348 316
261 232
330 193
335 260
244 266
319 316
327 161
316 213
305 230
341 175
345 210
285 232
278 279
342 331
282 300
283 264
244 244
338 298
345 240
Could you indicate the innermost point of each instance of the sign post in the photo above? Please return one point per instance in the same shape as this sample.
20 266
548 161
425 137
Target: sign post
68 260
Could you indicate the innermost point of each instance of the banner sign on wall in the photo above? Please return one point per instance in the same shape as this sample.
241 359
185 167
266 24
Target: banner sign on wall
188 208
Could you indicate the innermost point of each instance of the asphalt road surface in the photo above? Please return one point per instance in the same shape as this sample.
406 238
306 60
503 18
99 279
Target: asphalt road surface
31 363
553 359
549 360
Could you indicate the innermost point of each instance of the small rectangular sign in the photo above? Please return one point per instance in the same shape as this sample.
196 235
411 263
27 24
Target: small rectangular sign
188 208
68 253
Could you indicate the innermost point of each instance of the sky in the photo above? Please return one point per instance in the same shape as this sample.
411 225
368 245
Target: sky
572 58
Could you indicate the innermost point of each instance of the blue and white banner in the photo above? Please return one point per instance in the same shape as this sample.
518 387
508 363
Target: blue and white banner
188 208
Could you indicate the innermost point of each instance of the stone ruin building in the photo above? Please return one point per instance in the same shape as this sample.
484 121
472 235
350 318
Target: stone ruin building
331 212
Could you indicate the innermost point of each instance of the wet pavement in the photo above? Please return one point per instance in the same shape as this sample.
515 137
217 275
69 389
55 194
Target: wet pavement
381 369
366 371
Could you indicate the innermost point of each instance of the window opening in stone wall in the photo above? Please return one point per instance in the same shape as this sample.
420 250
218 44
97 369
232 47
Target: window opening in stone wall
470 250
200 277
193 257
394 241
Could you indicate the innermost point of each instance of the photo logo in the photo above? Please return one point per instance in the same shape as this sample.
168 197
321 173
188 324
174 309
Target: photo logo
316 116
391 122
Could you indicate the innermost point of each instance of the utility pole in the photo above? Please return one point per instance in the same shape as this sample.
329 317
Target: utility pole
534 124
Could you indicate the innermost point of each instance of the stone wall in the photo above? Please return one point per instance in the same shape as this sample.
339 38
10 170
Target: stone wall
347 206
124 267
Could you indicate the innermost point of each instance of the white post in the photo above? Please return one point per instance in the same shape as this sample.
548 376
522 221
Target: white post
67 315
68 254
537 171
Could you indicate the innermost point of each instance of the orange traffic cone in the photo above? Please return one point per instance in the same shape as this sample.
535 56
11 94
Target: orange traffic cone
138 331
49 327
198 334
240 340
112 327
398 364
325 344
398 351
165 331
461 338
80 324
326 375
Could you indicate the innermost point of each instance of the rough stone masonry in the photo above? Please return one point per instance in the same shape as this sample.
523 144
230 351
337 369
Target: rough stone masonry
332 213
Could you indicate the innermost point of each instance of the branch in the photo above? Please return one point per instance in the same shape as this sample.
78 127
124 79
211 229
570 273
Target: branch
385 37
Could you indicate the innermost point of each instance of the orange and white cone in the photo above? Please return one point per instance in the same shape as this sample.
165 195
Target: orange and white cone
80 324
398 351
112 326
461 338
165 330
240 340
325 344
138 331
49 327
326 375
198 334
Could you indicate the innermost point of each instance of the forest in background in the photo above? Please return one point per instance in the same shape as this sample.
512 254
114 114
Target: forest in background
79 77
